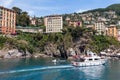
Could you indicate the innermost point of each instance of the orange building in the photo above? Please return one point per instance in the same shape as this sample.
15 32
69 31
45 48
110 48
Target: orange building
7 21
112 31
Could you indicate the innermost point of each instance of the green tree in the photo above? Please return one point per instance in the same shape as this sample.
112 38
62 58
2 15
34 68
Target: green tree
17 10
22 18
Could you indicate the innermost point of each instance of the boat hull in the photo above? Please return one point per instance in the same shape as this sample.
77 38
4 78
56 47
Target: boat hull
88 63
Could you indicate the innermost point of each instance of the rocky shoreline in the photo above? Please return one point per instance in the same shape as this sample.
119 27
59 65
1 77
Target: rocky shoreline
51 52
15 53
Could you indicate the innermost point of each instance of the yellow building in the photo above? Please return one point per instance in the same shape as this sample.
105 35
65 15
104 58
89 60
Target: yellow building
53 23
7 21
112 31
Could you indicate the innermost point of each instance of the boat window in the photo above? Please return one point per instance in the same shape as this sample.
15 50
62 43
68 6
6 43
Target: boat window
96 59
90 59
89 54
82 60
102 58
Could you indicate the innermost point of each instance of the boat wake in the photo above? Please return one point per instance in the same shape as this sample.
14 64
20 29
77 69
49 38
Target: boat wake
37 69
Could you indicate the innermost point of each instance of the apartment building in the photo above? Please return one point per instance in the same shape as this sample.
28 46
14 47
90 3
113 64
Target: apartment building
112 31
53 23
100 28
7 21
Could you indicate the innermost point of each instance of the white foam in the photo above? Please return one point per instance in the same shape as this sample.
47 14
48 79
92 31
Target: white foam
36 69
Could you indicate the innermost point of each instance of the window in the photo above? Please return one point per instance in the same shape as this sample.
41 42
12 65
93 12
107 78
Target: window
90 59
96 59
0 18
0 25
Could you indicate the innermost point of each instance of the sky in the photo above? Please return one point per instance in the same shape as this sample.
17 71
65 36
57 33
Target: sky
49 7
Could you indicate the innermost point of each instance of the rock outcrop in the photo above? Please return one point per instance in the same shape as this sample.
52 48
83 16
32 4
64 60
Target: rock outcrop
14 53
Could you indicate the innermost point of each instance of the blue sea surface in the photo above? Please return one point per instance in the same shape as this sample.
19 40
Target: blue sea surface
44 69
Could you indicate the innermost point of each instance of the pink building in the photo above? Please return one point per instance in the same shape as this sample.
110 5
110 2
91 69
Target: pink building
7 21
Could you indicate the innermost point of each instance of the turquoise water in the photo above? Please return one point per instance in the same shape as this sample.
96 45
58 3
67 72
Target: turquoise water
41 69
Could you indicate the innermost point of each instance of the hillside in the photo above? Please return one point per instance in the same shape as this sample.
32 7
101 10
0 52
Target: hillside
113 7
110 15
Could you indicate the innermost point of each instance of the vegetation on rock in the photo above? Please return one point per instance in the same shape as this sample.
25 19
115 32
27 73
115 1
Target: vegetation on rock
70 38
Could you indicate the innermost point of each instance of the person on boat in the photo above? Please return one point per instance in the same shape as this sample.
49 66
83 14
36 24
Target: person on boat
76 56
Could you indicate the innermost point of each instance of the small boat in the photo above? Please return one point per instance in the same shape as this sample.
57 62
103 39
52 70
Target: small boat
90 60
54 61
58 60
61 60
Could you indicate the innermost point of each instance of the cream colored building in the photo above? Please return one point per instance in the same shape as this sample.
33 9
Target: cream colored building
53 23
7 21
100 28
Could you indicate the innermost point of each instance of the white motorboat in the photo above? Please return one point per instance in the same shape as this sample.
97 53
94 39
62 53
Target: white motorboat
91 59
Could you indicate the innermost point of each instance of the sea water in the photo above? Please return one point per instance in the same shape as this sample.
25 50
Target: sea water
44 69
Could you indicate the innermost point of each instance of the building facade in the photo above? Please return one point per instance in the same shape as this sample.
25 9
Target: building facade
53 23
29 29
112 31
7 21
100 28
118 34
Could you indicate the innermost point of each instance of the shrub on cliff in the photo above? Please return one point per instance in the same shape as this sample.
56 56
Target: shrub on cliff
2 41
100 42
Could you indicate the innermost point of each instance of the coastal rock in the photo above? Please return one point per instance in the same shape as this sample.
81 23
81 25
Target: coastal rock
27 54
14 53
19 54
71 58
38 55
52 51
11 53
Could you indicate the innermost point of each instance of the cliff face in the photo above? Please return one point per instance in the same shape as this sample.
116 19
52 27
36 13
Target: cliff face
54 50
79 40
60 51
77 46
51 50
